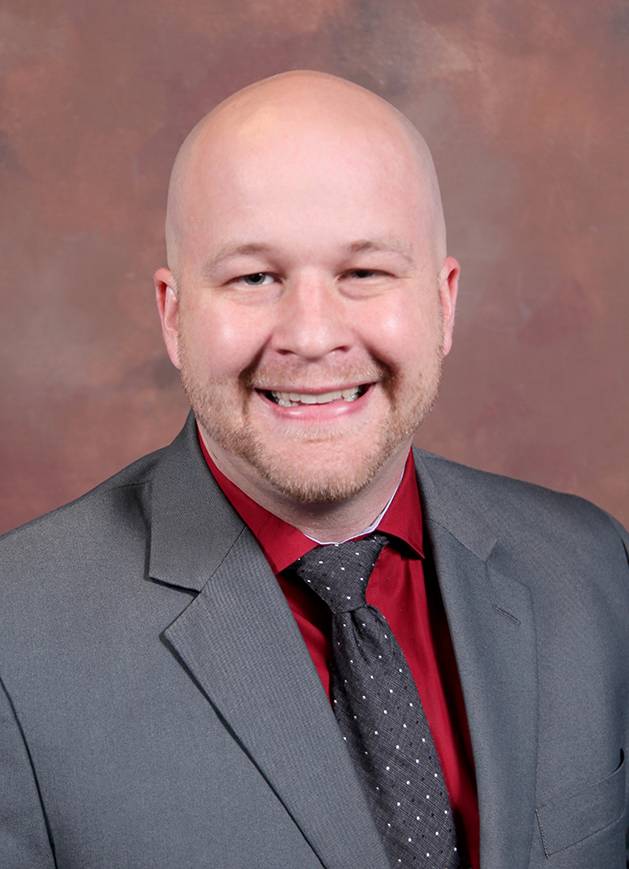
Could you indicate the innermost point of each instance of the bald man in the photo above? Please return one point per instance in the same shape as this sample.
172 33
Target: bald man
288 639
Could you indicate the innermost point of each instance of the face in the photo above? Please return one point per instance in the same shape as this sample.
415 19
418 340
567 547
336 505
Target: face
311 313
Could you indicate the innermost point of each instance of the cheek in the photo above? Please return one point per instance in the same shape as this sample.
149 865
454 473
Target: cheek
225 341
407 337
396 332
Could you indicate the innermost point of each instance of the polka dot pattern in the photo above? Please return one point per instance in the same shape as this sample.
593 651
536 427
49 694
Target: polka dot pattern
379 712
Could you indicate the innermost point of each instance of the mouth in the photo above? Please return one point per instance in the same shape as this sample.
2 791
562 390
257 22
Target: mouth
295 399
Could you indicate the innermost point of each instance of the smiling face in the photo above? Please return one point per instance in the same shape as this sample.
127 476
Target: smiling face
312 305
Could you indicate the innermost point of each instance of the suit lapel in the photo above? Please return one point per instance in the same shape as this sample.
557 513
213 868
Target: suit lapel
491 623
240 642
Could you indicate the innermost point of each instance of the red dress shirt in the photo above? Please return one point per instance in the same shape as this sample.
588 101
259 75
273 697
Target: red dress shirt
403 586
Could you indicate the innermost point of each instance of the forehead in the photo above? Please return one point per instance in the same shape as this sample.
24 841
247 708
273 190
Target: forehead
325 178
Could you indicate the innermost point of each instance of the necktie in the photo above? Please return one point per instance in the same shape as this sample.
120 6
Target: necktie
379 712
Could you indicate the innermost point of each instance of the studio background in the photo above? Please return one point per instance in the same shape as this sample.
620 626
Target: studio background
525 107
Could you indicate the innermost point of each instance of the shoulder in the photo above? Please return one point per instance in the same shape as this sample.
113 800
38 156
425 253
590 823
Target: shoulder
514 509
97 520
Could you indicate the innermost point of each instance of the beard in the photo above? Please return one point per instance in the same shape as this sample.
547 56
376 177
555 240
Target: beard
308 465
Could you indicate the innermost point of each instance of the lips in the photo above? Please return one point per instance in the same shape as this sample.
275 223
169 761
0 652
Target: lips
292 399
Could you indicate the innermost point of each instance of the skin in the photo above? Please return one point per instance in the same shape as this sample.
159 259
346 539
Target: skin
306 253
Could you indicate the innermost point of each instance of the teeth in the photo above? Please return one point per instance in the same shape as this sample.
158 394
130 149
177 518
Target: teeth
289 399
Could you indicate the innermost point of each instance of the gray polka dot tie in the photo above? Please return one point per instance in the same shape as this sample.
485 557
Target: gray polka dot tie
378 710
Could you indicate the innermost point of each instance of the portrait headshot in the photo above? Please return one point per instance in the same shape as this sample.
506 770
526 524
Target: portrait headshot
315 499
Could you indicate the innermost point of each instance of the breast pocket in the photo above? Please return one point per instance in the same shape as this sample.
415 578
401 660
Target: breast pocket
568 820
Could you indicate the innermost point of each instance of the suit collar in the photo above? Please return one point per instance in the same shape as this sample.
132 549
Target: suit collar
193 526
187 503
452 506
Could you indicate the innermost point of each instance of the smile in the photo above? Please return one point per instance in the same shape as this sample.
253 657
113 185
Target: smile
291 399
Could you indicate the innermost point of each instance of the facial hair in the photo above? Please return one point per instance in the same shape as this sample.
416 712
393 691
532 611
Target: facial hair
324 475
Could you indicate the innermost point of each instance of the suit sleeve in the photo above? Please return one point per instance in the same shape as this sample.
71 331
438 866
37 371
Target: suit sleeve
24 839
624 536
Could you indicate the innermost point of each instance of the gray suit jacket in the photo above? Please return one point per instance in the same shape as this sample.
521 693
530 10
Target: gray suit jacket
160 709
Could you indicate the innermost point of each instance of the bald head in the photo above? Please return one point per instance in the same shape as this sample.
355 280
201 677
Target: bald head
293 121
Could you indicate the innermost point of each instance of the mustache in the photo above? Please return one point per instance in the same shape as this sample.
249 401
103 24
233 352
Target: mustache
313 376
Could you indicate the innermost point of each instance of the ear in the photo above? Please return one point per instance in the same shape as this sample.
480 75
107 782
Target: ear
167 298
448 291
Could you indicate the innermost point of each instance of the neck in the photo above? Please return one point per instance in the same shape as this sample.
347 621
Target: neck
326 522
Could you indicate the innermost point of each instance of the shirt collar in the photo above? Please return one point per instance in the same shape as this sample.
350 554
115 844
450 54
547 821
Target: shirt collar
283 544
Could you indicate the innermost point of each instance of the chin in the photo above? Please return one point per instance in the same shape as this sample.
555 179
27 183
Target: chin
325 488
328 474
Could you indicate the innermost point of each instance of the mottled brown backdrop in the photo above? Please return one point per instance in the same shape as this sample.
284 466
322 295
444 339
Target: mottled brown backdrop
525 105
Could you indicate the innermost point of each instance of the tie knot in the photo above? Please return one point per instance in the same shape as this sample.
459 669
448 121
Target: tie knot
339 572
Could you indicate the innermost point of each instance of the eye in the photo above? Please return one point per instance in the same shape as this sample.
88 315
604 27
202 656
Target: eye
255 279
362 274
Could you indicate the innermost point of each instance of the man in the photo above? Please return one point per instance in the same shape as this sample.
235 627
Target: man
285 640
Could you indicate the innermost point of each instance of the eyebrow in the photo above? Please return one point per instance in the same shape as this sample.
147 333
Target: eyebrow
229 251
381 246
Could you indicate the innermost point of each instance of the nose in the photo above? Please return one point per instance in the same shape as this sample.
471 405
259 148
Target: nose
312 319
